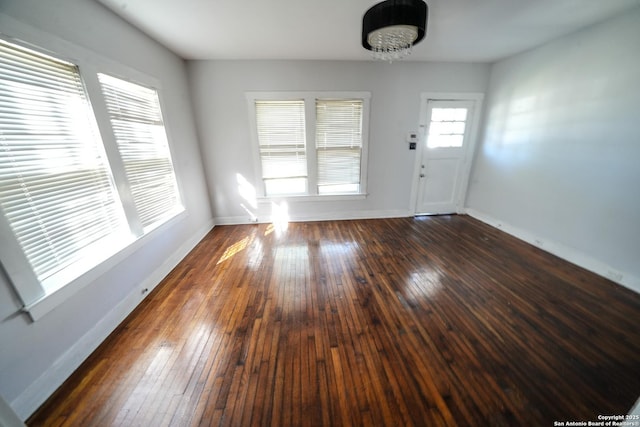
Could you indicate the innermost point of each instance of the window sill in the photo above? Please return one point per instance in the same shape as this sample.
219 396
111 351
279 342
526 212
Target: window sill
313 198
55 297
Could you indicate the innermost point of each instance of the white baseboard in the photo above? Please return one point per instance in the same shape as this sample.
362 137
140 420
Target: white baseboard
39 391
567 253
327 216
8 418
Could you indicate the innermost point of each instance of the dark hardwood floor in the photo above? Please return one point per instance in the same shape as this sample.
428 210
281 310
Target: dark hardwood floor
427 321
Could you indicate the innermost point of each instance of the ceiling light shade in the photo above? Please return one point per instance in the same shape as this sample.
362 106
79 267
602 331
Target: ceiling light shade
392 27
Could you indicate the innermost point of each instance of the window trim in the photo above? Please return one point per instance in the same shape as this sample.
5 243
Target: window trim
309 98
37 302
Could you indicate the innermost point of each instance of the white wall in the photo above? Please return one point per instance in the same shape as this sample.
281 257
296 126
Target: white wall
35 357
559 162
218 92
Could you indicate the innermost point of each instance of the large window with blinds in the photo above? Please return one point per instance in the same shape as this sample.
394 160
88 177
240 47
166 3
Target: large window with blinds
65 205
310 144
136 120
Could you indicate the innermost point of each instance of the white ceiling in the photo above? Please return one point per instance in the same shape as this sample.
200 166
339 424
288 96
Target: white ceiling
457 30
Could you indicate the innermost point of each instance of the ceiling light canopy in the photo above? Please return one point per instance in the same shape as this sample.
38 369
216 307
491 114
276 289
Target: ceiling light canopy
392 27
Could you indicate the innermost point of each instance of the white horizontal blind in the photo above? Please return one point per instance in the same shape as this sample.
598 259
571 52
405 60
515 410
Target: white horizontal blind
137 124
281 140
56 191
339 145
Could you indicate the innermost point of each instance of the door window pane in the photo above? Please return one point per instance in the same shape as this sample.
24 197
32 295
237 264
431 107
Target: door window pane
447 127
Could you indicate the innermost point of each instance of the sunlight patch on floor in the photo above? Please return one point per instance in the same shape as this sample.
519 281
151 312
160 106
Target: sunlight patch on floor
233 249
280 217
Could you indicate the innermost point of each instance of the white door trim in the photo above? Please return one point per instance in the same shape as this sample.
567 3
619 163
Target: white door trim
477 97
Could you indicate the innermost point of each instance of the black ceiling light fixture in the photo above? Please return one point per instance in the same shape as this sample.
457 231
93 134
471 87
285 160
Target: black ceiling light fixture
392 27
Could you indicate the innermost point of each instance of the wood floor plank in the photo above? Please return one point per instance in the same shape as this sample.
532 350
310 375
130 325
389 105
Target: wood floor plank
437 321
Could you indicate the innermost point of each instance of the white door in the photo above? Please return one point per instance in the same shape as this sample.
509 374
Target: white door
446 155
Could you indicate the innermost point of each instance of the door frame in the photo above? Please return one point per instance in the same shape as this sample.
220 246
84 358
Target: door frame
469 154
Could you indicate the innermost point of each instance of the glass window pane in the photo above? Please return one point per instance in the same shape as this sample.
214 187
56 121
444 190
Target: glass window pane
460 114
457 127
436 128
456 140
285 186
435 141
447 127
339 166
438 114
338 123
56 188
281 140
338 142
136 119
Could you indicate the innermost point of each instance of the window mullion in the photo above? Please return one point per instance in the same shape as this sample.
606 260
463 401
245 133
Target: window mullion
310 133
113 154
